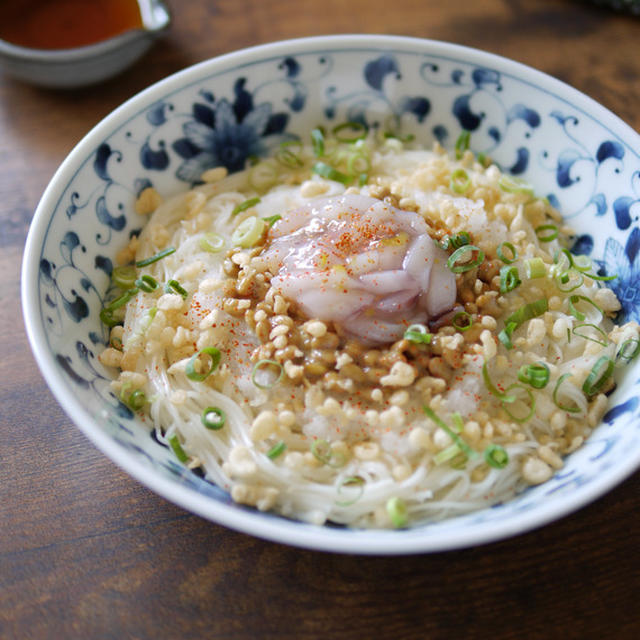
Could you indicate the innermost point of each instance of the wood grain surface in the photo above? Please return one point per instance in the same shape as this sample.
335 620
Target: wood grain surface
86 552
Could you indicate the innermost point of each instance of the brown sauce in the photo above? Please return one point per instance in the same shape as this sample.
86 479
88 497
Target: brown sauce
64 24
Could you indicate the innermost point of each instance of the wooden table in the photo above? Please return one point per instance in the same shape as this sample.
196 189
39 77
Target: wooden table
86 552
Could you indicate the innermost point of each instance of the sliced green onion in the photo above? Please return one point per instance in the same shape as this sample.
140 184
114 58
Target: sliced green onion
493 390
263 367
418 334
243 206
271 220
327 171
447 454
507 404
569 280
321 451
467 265
174 443
567 255
357 164
460 181
509 279
213 418
456 241
595 276
464 447
175 287
603 342
520 316
212 242
363 178
290 158
535 268
578 314
511 249
124 277
582 263
627 352
147 283
161 254
556 390
351 481
115 342
249 232
350 131
546 232
597 378
462 143
277 450
214 360
496 456
136 400
317 142
537 375
106 314
467 321
397 512
510 184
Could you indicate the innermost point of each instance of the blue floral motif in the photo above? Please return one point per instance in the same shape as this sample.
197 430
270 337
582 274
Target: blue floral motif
625 263
227 134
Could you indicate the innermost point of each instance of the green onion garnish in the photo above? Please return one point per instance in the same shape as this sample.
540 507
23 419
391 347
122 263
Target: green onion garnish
174 443
509 279
537 375
214 360
243 206
546 232
628 350
248 232
573 300
327 171
462 143
464 447
213 418
569 280
462 321
556 390
321 451
271 220
317 142
447 454
510 402
467 265
418 334
264 367
535 268
460 181
496 456
511 249
520 316
510 184
106 314
147 283
136 400
290 158
277 450
582 263
161 254
350 132
351 481
212 242
597 377
602 342
493 390
456 241
397 512
175 287
124 277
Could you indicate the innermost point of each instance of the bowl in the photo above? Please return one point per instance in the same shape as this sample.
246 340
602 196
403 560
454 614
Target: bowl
85 65
570 148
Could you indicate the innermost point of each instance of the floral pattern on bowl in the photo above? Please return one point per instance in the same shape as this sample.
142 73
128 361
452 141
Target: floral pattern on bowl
226 111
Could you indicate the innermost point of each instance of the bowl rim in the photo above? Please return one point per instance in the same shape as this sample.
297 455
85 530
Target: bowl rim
278 529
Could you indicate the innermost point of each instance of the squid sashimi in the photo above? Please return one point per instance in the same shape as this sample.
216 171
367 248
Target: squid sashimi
370 268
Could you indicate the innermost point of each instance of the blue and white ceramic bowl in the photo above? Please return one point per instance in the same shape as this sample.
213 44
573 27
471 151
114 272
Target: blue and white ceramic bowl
223 111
